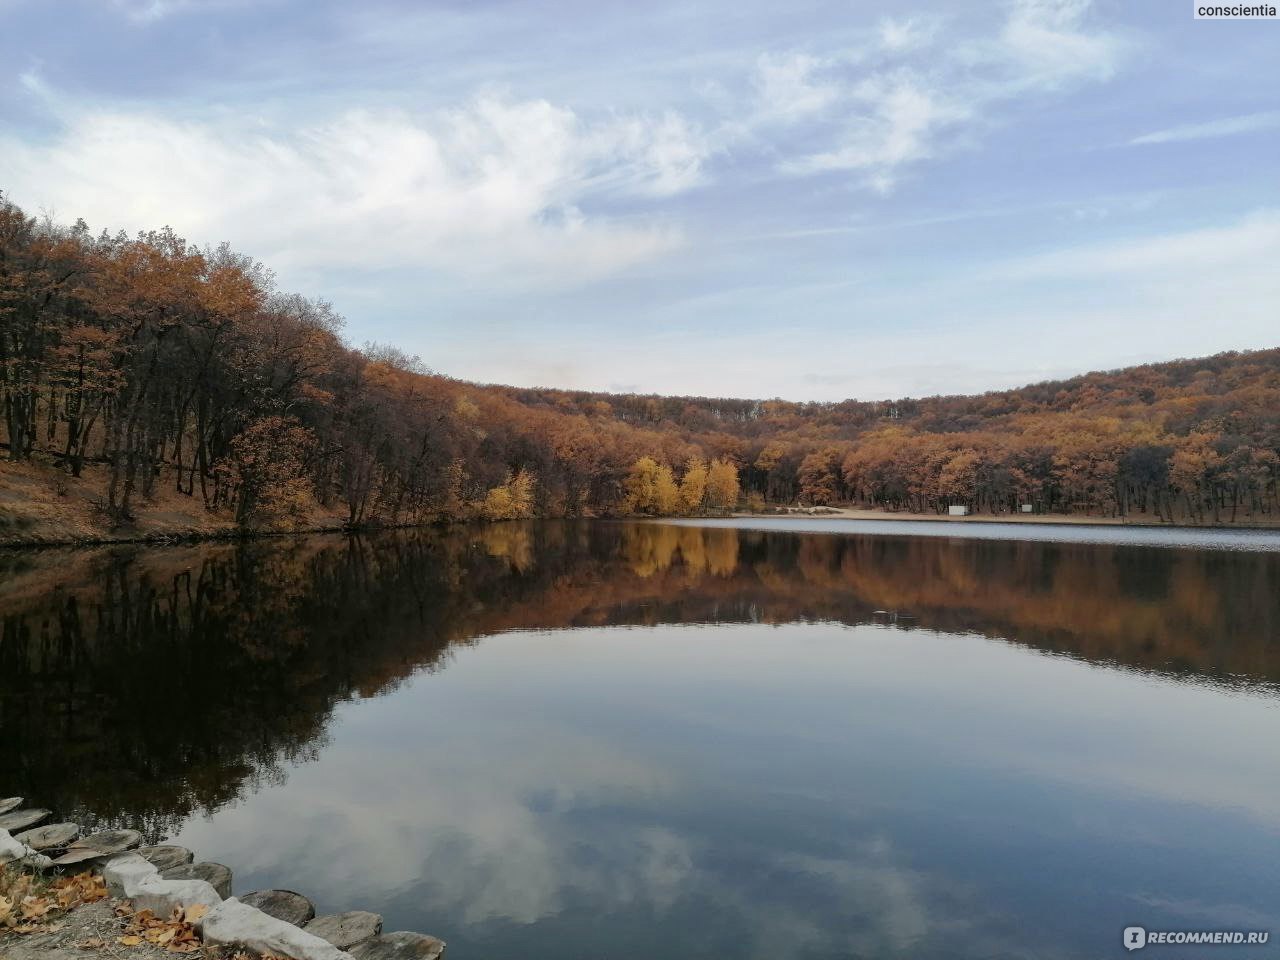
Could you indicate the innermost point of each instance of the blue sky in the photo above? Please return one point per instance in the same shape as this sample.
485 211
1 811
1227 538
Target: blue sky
813 200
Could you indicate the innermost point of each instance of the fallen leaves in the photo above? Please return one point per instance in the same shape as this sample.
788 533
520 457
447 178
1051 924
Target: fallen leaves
176 934
26 907
82 888
35 908
6 911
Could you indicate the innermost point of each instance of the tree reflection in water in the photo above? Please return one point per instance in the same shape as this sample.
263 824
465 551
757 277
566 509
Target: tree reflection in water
143 685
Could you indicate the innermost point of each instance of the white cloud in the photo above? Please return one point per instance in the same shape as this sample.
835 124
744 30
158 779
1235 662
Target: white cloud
907 34
1226 127
493 186
1049 44
898 122
522 188
150 11
787 88
667 153
910 107
146 11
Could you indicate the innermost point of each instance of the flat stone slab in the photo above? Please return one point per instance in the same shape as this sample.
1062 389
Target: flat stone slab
215 874
21 819
10 803
282 904
51 836
166 856
345 930
105 844
399 946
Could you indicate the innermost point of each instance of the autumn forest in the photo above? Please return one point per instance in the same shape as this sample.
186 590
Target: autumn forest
144 366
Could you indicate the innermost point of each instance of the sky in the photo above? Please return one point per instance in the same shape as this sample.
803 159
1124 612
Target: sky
813 200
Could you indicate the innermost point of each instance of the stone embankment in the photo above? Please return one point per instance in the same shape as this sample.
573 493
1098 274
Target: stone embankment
165 878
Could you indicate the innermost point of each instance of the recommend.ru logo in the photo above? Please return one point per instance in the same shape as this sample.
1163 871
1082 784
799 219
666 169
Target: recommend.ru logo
1135 938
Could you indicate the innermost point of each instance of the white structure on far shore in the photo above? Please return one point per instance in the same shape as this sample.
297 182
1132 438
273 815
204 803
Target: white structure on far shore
958 510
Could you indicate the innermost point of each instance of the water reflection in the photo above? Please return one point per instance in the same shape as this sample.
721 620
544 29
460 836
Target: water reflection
780 785
245 649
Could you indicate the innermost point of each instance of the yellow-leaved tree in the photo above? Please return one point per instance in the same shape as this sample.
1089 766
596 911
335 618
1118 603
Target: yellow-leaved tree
722 485
693 485
651 488
513 499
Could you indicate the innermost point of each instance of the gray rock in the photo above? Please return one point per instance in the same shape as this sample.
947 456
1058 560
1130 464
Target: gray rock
14 851
51 836
10 803
213 873
399 946
130 877
10 849
282 904
162 896
125 872
98 845
345 930
21 819
166 856
236 924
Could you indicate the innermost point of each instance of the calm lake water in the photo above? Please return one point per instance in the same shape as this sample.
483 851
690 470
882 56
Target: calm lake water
606 740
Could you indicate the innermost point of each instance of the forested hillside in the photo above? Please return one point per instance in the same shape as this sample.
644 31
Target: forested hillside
146 365
1200 437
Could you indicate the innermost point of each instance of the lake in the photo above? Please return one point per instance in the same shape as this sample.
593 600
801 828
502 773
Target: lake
783 739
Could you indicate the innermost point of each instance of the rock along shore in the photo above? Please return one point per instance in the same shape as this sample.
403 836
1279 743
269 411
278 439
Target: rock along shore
167 878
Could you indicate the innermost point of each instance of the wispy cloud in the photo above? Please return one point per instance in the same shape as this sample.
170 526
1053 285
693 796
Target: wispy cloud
1225 127
1250 245
526 187
898 121
493 186
1050 43
789 87
890 104
150 11
906 34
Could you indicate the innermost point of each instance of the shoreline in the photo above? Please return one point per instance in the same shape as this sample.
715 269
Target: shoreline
1047 519
156 894
196 536
36 513
175 539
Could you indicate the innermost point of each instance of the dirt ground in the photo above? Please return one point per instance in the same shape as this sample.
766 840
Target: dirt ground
40 504
87 932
